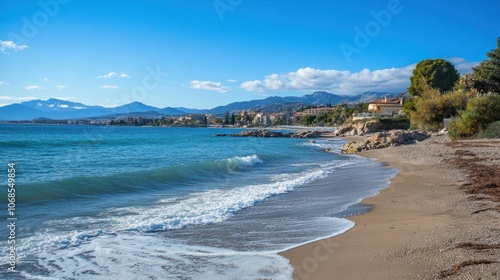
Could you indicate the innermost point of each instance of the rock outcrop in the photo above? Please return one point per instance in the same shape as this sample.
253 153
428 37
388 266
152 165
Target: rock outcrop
306 134
358 128
261 133
383 140
268 134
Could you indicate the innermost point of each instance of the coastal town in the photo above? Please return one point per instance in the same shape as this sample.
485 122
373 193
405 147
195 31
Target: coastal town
323 115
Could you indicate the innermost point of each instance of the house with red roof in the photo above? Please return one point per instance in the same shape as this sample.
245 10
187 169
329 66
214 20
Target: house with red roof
386 106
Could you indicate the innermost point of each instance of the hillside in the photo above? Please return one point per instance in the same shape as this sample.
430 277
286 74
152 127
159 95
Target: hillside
60 109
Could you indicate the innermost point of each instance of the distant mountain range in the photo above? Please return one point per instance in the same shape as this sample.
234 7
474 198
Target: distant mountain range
60 110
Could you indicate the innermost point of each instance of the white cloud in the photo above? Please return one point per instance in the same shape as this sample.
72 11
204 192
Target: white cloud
231 80
45 79
15 98
108 87
33 87
336 81
9 45
114 75
463 66
58 86
209 85
108 76
2 83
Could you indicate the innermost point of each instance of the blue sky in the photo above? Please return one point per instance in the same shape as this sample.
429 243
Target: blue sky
205 53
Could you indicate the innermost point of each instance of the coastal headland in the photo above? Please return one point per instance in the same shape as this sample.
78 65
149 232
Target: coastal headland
439 219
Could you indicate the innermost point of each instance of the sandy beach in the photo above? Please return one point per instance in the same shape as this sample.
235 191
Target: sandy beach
439 219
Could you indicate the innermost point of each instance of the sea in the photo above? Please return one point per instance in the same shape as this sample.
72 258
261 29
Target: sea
110 202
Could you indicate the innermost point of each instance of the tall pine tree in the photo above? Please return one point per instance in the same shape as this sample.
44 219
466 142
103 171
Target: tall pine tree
226 118
233 119
487 73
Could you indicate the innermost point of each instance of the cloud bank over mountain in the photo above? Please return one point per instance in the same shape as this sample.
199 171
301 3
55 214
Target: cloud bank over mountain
341 81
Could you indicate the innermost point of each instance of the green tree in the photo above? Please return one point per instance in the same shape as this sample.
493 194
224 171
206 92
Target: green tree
437 73
409 106
307 120
226 118
487 73
233 119
248 119
278 121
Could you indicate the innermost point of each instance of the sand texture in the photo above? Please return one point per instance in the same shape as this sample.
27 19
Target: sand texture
439 219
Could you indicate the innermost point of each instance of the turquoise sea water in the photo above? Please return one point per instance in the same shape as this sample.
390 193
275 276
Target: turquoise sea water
173 203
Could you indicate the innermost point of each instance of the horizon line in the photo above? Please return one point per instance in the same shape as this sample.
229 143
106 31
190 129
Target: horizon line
69 99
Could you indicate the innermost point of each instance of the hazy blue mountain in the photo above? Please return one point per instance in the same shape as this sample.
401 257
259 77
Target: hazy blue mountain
316 98
19 112
60 109
133 107
53 105
189 111
174 111
146 115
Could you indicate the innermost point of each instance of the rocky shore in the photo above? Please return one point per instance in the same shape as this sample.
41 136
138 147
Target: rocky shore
383 140
358 129
268 134
364 127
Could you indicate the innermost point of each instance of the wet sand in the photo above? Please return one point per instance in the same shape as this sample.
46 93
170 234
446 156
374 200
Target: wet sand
429 224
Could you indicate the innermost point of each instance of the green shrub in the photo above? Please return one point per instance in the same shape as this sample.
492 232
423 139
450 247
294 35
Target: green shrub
492 130
486 108
463 126
479 113
432 107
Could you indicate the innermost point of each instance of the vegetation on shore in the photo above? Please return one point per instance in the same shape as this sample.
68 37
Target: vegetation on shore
472 102
481 113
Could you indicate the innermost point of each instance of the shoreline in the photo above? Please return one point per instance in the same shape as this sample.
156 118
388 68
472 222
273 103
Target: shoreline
414 225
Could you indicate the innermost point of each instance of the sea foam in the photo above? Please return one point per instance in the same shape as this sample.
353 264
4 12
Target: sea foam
134 256
214 205
240 163
198 208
